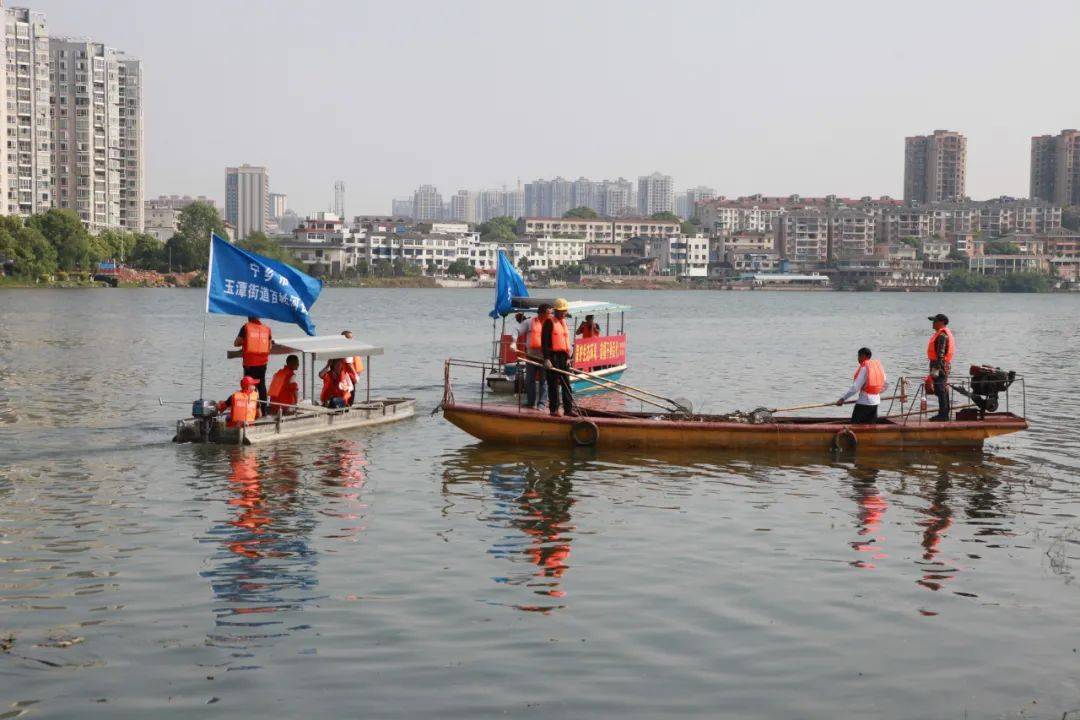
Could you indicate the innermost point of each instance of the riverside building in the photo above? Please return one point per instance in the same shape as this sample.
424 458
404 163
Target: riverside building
935 167
1055 168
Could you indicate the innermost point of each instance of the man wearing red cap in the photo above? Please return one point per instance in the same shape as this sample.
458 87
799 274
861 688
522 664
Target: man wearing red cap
243 405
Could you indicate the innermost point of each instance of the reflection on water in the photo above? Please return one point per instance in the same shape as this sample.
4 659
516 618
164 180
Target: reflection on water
264 564
535 502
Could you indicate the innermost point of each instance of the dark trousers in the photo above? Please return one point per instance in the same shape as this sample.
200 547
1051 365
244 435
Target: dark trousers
559 384
864 414
941 390
258 372
534 385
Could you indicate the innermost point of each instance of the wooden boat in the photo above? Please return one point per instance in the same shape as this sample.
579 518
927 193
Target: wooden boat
511 425
206 426
603 356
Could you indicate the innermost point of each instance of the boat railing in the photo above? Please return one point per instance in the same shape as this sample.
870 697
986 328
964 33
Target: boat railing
961 388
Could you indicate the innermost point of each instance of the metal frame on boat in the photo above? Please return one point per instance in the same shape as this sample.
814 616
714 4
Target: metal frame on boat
910 429
206 426
603 356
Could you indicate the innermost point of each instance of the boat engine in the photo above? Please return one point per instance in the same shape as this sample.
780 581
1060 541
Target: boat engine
205 413
987 383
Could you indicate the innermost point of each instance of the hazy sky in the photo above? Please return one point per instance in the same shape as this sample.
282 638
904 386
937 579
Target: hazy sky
771 97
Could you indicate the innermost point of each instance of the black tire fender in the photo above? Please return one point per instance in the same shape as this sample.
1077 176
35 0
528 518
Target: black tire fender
584 433
845 440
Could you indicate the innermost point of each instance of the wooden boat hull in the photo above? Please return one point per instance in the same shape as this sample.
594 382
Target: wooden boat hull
508 425
378 411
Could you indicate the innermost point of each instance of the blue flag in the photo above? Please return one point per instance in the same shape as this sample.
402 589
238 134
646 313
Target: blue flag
508 285
243 283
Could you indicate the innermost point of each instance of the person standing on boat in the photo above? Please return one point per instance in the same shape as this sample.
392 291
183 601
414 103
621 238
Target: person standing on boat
255 340
868 383
589 328
284 392
356 362
555 344
940 351
535 376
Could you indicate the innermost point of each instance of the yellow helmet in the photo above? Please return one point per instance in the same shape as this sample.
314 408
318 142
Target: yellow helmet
560 304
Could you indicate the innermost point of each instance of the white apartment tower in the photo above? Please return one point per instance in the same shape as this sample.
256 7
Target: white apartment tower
87 161
427 203
339 199
132 163
247 199
26 175
656 193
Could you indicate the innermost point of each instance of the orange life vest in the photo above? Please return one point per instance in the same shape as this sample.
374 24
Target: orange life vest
256 344
560 336
358 364
931 349
282 388
536 327
243 407
588 331
875 376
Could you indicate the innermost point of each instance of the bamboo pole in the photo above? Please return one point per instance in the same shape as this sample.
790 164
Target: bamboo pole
830 404
611 386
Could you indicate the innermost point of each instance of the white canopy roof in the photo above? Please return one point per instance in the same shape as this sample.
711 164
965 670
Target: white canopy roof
325 346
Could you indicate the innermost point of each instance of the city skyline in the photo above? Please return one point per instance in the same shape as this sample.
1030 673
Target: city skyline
825 124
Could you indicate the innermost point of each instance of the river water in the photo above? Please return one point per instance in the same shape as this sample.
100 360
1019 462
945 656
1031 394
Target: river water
407 572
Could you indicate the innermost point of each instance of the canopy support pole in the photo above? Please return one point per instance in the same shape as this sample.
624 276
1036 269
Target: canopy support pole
202 362
367 372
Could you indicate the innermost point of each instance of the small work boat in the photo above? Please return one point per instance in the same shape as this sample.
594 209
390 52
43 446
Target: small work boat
207 426
681 429
603 355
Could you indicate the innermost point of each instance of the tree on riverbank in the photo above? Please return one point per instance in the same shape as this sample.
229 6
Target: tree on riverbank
1019 282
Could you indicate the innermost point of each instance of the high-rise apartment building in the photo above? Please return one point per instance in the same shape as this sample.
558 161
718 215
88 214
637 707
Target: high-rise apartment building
686 202
656 193
935 167
1055 168
339 199
132 163
97 166
463 206
427 203
279 203
27 176
247 199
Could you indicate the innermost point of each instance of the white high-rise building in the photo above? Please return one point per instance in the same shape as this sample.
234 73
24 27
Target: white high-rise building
656 193
132 163
27 174
463 206
427 203
339 199
88 158
279 203
247 199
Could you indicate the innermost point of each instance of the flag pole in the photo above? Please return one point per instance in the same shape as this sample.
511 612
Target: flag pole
202 362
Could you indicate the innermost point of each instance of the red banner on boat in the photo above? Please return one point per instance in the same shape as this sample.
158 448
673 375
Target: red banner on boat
598 352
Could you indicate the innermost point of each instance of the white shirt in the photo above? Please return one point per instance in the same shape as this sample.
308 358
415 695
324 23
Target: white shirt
859 384
522 328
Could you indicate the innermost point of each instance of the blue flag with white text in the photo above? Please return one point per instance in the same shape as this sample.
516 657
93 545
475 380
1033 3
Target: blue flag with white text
508 285
244 283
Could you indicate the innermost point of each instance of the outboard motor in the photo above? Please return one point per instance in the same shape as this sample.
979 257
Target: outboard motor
987 383
205 413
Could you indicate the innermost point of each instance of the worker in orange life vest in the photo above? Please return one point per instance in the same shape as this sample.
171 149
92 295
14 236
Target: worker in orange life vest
940 351
256 341
555 344
535 376
284 392
243 405
588 328
339 379
868 383
356 363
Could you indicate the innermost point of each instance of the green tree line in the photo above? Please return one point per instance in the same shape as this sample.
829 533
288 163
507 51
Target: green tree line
57 240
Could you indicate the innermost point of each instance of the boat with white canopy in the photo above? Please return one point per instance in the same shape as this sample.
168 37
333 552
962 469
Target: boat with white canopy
307 417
